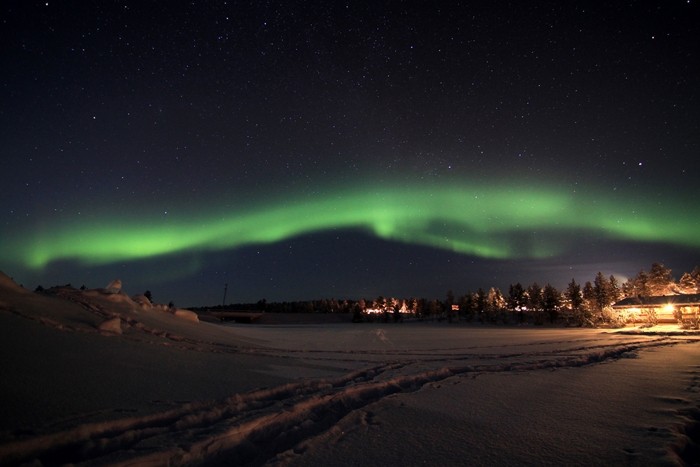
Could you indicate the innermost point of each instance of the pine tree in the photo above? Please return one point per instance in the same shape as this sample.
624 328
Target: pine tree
695 274
687 284
480 303
516 300
602 295
660 280
589 303
534 302
357 313
495 303
551 301
466 306
637 286
615 291
449 301
575 298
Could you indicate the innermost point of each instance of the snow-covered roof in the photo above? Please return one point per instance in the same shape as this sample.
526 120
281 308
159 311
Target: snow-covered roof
659 300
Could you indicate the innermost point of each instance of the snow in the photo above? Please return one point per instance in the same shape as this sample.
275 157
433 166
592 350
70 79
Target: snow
112 325
6 282
174 391
186 314
115 286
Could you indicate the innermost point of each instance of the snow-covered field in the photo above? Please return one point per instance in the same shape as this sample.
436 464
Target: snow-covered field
161 389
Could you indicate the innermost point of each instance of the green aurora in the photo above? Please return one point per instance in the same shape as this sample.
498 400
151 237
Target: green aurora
482 220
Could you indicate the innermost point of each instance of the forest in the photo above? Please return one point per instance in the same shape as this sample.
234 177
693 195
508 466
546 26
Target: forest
589 304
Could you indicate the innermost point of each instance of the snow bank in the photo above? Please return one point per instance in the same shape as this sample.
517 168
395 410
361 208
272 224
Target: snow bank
142 301
186 314
114 287
111 326
7 283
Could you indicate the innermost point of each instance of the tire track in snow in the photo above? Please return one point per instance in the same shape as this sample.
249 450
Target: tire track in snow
255 427
687 447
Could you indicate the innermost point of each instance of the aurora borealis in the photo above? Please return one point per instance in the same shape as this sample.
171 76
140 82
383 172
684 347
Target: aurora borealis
479 221
313 150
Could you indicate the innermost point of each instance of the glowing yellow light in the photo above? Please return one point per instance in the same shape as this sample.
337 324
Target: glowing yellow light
668 308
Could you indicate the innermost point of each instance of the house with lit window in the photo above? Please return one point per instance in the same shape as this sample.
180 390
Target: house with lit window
666 307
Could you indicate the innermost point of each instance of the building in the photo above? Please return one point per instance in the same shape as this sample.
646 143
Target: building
666 307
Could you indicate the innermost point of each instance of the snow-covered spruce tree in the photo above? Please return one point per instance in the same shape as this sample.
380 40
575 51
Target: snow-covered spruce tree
661 280
589 305
575 299
495 305
687 284
637 286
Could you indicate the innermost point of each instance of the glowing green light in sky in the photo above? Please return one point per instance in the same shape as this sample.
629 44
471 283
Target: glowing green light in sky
488 221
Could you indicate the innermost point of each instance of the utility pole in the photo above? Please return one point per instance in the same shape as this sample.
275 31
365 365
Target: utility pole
223 303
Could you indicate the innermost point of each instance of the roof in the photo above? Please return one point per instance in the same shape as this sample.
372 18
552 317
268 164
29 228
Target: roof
659 300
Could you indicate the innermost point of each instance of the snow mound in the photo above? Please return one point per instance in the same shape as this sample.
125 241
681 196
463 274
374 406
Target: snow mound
186 314
7 282
114 287
142 301
111 326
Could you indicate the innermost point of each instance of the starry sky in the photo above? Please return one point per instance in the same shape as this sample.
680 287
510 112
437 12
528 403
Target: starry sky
303 150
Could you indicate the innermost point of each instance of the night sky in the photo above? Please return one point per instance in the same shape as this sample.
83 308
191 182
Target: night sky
302 150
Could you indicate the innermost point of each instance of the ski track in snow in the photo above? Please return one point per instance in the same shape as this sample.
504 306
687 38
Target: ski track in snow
263 426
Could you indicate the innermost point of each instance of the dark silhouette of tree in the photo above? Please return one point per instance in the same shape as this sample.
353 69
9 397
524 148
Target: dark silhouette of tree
434 308
449 301
615 289
449 298
602 294
396 306
357 313
480 303
534 302
466 306
551 301
516 300
575 298
148 295
421 308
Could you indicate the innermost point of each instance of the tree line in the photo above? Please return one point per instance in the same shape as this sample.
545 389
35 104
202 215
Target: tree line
587 304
